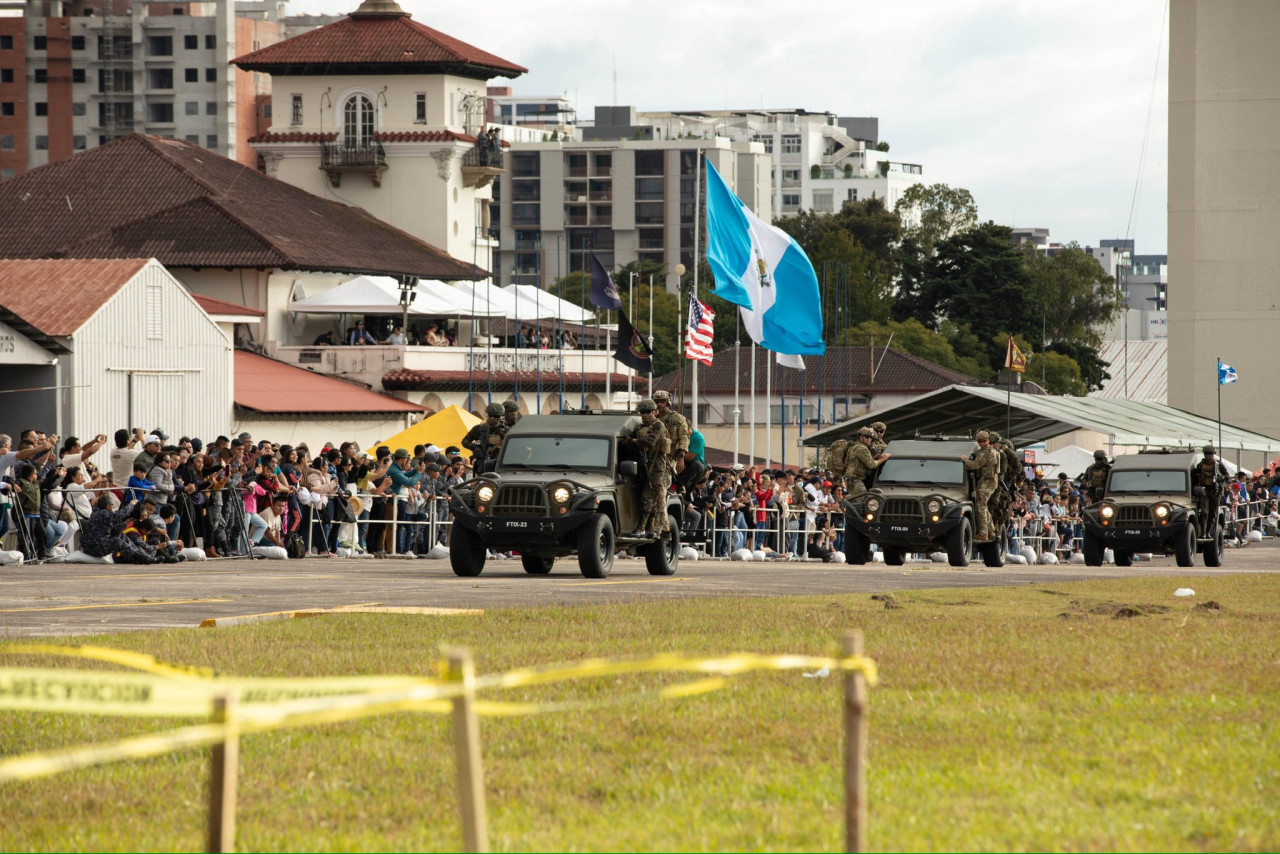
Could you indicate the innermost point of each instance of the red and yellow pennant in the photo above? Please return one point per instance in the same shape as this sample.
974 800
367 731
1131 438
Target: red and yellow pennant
1013 359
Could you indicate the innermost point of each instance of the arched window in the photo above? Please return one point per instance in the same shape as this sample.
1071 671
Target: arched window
357 122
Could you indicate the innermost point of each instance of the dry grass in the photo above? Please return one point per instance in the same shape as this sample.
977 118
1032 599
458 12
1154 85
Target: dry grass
1085 716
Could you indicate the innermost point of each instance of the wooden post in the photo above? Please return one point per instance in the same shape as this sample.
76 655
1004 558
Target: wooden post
466 748
224 766
855 749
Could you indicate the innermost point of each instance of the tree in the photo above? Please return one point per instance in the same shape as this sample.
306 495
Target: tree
876 228
1061 374
913 337
978 280
882 145
855 285
1077 298
931 213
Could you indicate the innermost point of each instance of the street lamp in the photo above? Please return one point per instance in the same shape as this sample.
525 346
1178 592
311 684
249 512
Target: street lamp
407 285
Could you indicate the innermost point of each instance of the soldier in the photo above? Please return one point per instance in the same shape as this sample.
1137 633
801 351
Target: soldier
485 440
677 429
511 413
860 463
1209 473
985 465
1095 477
878 443
652 436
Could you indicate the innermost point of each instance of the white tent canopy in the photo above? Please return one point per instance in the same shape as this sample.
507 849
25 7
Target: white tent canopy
487 296
381 295
533 303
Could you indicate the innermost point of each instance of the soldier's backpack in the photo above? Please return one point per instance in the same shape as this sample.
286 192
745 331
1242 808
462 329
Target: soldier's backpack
837 456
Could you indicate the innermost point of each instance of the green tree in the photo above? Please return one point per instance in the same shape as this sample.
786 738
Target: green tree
978 280
873 226
1061 374
930 213
855 285
911 336
1076 297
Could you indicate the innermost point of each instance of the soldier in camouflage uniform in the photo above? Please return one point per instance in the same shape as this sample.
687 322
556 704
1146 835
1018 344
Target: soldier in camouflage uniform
677 429
1211 474
511 413
860 464
1009 480
986 467
878 443
652 436
484 441
1095 477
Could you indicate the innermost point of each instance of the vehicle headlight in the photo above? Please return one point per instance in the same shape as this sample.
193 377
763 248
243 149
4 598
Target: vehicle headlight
485 494
1107 511
873 505
561 494
934 506
1162 511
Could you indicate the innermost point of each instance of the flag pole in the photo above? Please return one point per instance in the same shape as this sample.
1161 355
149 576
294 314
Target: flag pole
651 335
631 307
1218 380
559 326
697 206
768 412
753 401
538 320
608 371
583 343
737 383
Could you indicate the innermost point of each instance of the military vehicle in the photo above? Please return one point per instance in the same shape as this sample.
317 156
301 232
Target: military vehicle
1150 506
563 484
920 501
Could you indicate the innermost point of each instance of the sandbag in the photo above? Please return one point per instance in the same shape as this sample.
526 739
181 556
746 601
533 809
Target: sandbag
270 552
74 557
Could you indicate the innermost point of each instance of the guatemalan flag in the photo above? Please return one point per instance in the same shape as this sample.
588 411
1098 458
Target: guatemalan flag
1226 374
761 269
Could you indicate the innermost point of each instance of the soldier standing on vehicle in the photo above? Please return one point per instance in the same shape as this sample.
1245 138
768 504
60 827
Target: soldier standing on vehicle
652 437
1211 474
859 463
677 429
985 466
511 413
1095 477
485 440
878 443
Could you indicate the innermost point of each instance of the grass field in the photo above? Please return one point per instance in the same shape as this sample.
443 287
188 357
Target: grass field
1103 715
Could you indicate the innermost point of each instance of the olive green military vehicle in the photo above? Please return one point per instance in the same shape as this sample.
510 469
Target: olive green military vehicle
563 484
920 501
1150 505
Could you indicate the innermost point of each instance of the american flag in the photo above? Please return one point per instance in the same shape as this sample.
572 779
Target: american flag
700 331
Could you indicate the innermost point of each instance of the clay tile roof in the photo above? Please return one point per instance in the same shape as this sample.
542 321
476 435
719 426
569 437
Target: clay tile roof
146 196
265 385
211 305
840 369
55 298
379 42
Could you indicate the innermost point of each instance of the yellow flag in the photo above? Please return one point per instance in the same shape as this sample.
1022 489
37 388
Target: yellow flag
1014 360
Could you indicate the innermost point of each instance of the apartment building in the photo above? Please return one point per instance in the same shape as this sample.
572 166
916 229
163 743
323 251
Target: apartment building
75 74
625 200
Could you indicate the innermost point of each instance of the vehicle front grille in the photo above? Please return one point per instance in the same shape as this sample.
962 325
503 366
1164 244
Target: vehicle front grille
1135 514
521 501
902 510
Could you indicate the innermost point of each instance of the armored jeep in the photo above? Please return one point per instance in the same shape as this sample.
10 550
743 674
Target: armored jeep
562 484
1150 506
920 501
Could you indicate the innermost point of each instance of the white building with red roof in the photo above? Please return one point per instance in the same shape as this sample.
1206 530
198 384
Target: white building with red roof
382 112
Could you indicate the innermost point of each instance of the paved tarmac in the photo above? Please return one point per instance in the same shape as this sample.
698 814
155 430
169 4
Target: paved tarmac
83 599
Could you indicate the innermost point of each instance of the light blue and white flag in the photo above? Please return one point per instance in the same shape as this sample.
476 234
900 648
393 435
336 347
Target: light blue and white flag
1226 374
759 268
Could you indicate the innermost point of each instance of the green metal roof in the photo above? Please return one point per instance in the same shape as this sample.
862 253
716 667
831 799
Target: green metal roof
1030 418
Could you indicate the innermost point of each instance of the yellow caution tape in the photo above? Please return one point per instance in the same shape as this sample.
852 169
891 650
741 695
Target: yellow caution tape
268 703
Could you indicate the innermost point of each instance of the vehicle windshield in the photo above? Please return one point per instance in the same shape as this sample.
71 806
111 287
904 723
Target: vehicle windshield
549 452
907 471
1147 481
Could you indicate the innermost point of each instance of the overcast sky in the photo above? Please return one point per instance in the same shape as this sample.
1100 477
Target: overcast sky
1038 109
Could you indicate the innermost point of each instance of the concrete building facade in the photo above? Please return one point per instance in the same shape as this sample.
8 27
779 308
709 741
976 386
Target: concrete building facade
1224 206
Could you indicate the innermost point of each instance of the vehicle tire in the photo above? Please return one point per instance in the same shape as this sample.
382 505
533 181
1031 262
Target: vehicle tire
662 556
466 552
960 543
1123 558
859 548
994 551
1092 547
537 564
1184 545
894 557
596 546
1213 549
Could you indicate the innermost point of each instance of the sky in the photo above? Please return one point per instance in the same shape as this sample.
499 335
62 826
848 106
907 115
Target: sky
1040 110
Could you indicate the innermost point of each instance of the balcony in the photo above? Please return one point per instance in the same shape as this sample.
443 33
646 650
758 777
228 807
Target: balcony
337 159
481 165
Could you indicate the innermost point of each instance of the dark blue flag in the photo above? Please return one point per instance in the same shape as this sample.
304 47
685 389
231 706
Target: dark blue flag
604 293
633 348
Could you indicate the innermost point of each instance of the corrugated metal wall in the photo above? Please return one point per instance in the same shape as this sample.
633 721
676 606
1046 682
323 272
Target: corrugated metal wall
151 358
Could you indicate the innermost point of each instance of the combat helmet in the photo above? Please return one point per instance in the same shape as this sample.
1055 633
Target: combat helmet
647 405
494 410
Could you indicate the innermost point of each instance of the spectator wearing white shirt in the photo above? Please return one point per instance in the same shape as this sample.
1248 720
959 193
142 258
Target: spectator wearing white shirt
123 455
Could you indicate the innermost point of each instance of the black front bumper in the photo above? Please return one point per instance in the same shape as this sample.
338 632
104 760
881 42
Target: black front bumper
913 535
505 533
1137 539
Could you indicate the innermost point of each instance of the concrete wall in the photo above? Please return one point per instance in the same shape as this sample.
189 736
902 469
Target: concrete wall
1224 206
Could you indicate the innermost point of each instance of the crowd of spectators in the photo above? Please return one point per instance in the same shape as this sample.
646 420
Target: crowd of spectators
545 338
432 334
155 497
